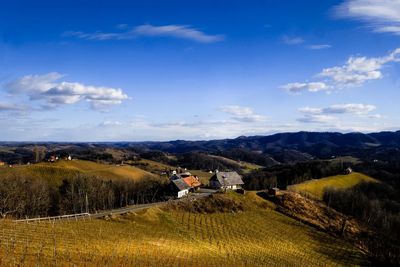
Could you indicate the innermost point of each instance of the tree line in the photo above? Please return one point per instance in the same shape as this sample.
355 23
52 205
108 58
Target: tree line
22 196
376 205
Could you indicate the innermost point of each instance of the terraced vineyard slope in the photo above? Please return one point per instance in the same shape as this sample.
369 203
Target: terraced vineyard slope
256 236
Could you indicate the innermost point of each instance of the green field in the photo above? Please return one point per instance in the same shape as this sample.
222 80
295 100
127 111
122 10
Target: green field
316 187
258 236
54 173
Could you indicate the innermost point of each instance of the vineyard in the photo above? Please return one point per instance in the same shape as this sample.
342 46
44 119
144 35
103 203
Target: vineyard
161 237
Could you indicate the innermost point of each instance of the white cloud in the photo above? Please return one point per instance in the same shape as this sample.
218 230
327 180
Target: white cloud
350 108
319 46
110 123
358 109
242 114
380 16
292 40
317 118
176 31
355 72
358 70
54 92
324 115
300 87
309 110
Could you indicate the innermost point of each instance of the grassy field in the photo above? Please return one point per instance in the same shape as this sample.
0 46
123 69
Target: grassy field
316 187
258 236
55 172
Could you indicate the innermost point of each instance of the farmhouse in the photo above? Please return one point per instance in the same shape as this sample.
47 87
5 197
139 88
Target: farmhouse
348 170
192 181
180 187
226 180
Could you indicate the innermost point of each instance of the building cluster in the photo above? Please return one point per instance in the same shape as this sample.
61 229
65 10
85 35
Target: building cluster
54 158
184 183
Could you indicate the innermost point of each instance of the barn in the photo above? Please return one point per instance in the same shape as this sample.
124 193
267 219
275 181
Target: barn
226 180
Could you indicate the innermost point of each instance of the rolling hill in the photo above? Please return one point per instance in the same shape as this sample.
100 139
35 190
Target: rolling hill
54 173
316 187
304 144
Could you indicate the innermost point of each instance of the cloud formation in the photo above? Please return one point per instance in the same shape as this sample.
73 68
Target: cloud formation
358 70
242 114
300 87
53 92
325 115
319 46
127 33
381 16
355 72
316 118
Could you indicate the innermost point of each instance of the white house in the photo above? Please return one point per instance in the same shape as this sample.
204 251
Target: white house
226 180
180 187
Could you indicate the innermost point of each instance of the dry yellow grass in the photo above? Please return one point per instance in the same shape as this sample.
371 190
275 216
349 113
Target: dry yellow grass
316 187
155 237
55 172
104 170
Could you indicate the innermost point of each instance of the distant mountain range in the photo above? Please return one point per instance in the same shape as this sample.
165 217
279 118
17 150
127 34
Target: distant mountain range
272 143
299 145
281 147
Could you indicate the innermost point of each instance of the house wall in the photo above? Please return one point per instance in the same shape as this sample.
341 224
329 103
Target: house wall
183 193
233 187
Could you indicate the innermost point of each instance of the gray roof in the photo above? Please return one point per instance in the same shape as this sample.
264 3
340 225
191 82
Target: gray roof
180 184
227 178
175 177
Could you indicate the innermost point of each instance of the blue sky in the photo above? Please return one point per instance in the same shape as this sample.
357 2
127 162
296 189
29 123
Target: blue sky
163 70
